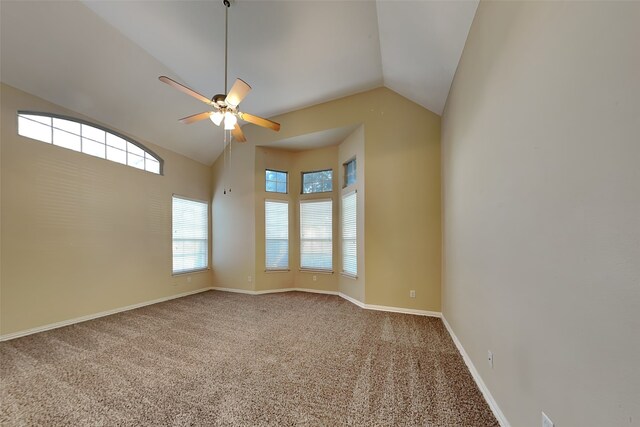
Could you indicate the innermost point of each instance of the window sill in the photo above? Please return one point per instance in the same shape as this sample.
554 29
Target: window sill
184 273
349 275
310 270
283 270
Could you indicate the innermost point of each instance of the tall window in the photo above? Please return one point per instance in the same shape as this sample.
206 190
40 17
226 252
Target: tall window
87 138
190 235
350 172
317 182
349 234
275 181
276 218
316 243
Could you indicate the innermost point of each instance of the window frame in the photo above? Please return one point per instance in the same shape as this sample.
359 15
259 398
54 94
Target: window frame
266 267
159 159
208 239
302 174
266 180
345 165
300 239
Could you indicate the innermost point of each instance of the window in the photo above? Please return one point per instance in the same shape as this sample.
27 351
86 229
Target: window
275 181
350 172
317 182
190 235
276 218
349 234
87 138
316 244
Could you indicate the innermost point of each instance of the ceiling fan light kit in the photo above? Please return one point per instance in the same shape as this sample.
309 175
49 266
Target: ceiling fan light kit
224 107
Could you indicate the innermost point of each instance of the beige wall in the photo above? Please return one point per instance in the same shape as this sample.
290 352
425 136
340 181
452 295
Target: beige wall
306 161
81 235
233 219
353 148
294 163
402 233
541 160
282 160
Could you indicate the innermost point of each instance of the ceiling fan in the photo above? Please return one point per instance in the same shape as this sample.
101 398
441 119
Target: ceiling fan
224 107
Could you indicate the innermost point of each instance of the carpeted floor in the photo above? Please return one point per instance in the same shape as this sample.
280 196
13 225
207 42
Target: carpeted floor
228 359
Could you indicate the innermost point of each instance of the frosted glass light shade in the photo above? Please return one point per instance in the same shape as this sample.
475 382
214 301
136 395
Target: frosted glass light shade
216 118
229 121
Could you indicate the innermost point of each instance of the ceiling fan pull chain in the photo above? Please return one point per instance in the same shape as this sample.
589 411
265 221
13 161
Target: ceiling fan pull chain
230 156
224 160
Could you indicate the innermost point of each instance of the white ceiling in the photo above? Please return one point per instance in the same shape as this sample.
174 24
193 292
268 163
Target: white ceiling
102 58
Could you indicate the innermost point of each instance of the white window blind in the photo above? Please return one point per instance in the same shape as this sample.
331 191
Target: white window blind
316 246
276 217
190 235
349 234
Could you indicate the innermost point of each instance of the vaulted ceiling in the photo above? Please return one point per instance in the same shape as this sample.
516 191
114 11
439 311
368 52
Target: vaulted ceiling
102 58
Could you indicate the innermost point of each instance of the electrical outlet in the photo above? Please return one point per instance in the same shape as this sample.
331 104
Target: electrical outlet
546 421
315 277
249 279
412 294
490 359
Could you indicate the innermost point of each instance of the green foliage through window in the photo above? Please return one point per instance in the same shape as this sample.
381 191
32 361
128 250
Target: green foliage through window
317 182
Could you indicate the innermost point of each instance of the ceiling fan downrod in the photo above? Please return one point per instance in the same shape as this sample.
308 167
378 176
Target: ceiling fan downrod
224 106
226 37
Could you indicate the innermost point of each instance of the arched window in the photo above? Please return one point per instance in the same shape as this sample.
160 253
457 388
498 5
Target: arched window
88 138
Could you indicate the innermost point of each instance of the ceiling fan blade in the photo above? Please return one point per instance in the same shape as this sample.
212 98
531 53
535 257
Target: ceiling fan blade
238 91
184 89
237 133
259 121
195 118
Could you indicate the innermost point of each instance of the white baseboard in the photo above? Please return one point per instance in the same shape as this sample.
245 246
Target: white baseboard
352 300
68 322
316 291
340 294
234 290
478 379
273 291
403 310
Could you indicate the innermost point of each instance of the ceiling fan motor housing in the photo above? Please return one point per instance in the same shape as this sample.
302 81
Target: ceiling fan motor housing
219 100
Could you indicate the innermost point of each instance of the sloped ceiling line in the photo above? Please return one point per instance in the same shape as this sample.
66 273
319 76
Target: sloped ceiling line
102 59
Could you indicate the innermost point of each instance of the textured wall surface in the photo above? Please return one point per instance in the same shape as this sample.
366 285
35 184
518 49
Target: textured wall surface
402 230
81 235
541 170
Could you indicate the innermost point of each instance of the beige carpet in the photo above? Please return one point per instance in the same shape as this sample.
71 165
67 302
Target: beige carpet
236 360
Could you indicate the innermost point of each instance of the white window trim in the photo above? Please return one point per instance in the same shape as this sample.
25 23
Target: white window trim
159 159
196 270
